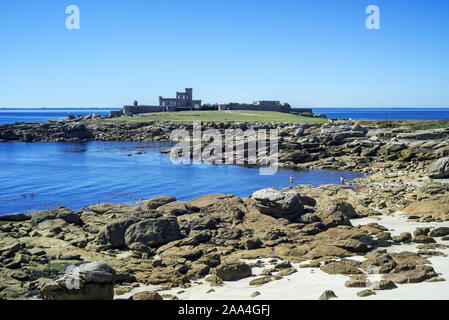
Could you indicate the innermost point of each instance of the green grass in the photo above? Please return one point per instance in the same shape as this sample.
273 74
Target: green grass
411 124
217 116
428 124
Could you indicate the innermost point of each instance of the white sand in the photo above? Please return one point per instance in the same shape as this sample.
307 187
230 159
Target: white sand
310 283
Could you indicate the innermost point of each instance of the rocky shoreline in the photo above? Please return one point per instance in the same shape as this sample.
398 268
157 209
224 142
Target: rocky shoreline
174 244
118 250
340 146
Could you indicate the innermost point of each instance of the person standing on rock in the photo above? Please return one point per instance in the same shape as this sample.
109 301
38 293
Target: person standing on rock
342 180
291 181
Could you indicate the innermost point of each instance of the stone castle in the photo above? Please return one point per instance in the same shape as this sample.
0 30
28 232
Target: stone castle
184 101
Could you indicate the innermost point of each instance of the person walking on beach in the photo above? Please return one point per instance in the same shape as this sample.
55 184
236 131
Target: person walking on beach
291 181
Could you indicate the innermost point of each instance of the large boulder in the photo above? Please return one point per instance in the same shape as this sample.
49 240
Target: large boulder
146 295
113 235
439 169
156 202
337 206
415 275
176 208
209 200
435 208
62 213
153 232
112 208
234 270
90 281
278 203
77 131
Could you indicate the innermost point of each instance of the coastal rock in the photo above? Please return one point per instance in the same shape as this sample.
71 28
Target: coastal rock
62 213
328 294
383 285
113 235
146 295
176 208
251 244
421 231
12 289
344 266
278 203
209 200
439 232
153 232
214 281
229 271
423 239
77 131
286 272
156 202
320 251
418 274
357 281
403 237
434 208
90 281
439 169
366 293
112 208
337 207
380 264
260 281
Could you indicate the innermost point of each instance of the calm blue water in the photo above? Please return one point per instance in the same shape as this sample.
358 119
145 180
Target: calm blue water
40 115
46 175
385 113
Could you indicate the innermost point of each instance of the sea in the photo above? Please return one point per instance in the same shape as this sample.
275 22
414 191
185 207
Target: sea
384 113
37 176
10 115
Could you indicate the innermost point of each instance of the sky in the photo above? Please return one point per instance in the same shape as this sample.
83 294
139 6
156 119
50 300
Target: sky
315 53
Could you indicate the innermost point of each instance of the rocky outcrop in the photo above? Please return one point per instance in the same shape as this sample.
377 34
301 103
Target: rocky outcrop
278 203
113 235
439 169
345 145
328 294
90 281
233 271
60 213
153 232
176 208
156 202
160 247
147 295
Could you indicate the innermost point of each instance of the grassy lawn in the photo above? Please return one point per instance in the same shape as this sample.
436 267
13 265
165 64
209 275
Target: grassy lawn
216 116
412 124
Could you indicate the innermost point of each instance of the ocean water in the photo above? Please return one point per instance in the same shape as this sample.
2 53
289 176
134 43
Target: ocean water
385 113
38 176
39 115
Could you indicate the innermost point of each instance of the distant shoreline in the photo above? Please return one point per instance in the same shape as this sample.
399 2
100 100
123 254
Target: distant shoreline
80 108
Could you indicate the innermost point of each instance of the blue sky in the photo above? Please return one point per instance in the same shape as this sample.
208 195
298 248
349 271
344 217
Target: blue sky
308 53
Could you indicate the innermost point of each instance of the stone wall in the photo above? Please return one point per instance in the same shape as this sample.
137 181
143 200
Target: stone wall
278 108
143 109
